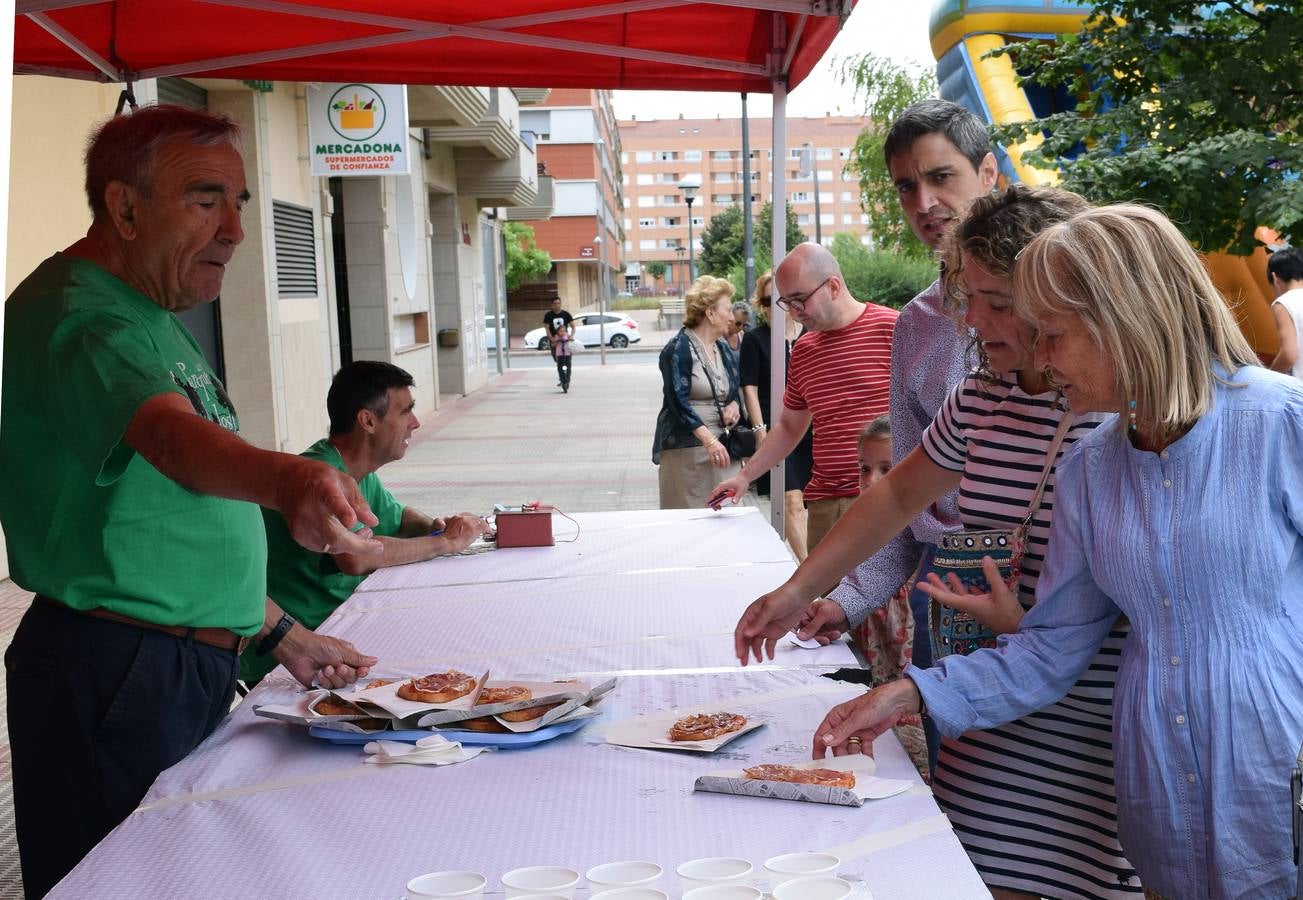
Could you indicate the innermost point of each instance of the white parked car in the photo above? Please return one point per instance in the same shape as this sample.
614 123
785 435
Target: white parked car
621 331
491 333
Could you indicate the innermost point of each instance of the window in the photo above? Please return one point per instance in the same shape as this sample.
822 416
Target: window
647 245
848 175
692 156
645 178
721 154
722 199
794 152
628 246
669 243
646 222
296 257
823 153
844 153
848 219
671 222
628 223
666 156
804 218
644 200
825 196
802 197
668 178
624 159
864 218
671 200
721 177
825 218
848 197
643 156
698 221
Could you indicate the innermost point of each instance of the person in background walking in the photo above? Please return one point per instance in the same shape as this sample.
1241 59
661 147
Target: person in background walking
557 322
1285 271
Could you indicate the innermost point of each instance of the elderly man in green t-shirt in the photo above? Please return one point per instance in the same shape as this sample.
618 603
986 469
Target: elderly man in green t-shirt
371 424
130 501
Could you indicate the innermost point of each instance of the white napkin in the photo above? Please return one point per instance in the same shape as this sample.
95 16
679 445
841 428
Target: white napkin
435 750
811 644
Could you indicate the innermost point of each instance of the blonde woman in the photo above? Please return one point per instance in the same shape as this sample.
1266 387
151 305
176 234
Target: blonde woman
700 399
1187 516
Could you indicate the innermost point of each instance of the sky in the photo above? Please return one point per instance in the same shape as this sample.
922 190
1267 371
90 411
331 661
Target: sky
887 28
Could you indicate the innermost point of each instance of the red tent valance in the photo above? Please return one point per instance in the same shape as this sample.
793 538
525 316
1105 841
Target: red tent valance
725 45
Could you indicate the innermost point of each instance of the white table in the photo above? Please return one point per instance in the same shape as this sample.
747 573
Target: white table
261 809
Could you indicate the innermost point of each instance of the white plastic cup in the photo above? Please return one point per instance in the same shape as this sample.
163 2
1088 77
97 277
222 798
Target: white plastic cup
735 891
634 893
442 885
627 873
799 865
813 887
709 870
556 880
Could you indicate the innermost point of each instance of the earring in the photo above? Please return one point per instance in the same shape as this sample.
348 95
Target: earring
1131 416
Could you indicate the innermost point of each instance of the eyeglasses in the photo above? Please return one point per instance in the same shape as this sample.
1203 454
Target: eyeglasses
797 304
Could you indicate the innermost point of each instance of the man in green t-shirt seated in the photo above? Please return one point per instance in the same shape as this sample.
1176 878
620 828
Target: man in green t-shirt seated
371 423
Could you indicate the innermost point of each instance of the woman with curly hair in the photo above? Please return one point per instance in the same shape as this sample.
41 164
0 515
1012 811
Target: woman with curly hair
700 398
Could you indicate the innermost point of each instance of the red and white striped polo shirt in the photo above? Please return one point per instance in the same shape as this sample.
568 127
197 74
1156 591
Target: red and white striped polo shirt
843 378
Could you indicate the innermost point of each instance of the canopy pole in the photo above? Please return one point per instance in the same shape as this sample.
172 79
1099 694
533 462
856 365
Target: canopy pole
778 318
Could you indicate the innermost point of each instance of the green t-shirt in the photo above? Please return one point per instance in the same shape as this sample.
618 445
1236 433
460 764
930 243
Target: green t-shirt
87 520
308 585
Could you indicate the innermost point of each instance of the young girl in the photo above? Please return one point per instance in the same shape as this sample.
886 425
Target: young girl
562 349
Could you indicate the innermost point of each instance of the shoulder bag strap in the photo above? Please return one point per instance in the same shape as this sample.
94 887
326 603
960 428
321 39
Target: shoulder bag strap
705 367
1051 458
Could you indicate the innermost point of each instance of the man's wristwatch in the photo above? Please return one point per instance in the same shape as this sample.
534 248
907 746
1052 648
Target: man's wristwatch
276 635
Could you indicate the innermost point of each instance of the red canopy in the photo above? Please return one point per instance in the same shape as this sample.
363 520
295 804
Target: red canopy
724 45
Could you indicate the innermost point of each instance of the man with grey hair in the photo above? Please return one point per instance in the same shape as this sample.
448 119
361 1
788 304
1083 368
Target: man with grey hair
131 501
838 379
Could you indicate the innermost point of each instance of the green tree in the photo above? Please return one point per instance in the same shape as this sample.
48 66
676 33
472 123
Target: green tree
1194 108
656 269
721 241
524 260
882 276
886 88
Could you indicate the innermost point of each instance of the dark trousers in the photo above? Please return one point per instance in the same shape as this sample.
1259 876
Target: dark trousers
97 710
563 369
920 604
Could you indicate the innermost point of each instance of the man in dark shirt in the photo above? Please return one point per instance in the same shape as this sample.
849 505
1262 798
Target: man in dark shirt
555 320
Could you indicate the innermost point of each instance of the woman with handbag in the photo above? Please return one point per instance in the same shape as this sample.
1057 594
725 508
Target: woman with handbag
699 408
1187 516
1032 802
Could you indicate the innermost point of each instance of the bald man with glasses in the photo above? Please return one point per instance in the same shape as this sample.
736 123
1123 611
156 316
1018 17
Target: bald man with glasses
839 379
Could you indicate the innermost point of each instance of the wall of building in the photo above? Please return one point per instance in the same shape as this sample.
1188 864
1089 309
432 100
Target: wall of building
51 118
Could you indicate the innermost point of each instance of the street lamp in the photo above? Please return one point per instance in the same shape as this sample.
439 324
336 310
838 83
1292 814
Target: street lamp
689 187
680 250
810 166
601 297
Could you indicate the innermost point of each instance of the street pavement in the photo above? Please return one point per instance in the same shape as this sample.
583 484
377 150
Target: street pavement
519 439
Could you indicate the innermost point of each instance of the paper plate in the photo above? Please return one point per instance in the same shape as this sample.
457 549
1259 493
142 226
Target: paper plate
469 738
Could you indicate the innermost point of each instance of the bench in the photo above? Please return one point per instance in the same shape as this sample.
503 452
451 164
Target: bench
671 314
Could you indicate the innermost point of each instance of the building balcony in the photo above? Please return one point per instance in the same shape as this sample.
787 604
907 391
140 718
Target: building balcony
496 131
541 208
495 181
531 96
432 106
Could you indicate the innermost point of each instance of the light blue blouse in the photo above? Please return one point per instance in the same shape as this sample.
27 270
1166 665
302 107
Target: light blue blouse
1201 546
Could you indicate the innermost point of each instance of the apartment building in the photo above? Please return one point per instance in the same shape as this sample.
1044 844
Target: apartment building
658 154
578 150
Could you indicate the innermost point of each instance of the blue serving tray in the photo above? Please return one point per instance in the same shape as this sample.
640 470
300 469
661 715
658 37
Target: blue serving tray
469 738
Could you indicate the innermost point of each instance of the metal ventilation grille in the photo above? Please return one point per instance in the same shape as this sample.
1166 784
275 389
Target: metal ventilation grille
296 254
180 92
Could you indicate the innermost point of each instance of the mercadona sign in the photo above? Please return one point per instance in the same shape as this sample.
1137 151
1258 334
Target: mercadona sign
358 129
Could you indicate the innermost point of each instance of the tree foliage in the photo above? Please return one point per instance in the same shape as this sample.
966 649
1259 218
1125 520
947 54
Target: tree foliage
886 88
1194 108
881 276
721 240
525 261
656 269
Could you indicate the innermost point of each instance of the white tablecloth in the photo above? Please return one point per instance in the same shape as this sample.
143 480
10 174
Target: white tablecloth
261 809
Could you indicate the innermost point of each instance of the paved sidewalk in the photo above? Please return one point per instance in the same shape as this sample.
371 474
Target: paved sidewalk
519 439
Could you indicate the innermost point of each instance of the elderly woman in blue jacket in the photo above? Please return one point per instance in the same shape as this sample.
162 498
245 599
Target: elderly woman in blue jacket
700 378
